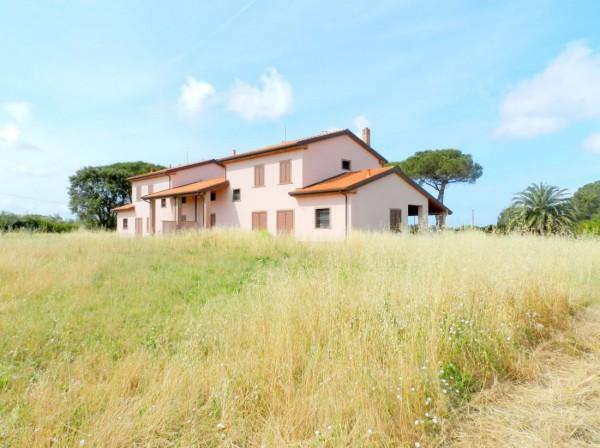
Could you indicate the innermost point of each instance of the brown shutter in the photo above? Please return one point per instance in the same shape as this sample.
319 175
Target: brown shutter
259 220
259 175
285 221
285 172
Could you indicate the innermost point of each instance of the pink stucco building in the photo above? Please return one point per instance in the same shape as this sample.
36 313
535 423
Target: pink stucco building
317 188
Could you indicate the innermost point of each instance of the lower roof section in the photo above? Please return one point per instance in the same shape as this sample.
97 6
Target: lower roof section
347 182
124 208
190 189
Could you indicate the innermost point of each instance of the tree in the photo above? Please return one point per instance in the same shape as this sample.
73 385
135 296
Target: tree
542 209
506 217
96 190
586 201
440 167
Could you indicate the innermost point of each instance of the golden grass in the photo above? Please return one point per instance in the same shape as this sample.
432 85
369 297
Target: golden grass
560 408
236 339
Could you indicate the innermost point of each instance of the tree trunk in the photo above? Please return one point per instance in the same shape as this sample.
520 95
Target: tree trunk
440 220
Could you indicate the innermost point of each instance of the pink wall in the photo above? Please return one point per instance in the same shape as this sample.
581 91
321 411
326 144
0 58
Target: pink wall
270 198
324 159
196 174
305 218
372 202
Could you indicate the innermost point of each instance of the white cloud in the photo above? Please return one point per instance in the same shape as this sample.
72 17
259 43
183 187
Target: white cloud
194 95
10 138
272 100
18 111
592 143
9 134
361 122
567 90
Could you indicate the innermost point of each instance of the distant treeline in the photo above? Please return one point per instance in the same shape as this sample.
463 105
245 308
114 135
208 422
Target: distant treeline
35 223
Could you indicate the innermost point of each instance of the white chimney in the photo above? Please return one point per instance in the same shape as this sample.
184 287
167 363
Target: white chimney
366 136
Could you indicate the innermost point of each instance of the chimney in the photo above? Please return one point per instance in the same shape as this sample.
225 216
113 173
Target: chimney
366 136
234 152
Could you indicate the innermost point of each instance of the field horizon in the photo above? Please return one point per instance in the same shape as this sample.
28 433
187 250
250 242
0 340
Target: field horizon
230 338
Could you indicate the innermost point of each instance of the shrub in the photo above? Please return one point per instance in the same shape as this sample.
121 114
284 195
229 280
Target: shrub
10 222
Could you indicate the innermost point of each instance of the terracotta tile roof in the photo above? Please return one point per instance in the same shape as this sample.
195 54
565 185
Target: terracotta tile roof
299 144
124 208
189 189
166 171
288 145
343 182
349 181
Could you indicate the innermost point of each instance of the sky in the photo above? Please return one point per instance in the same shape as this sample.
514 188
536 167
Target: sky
516 84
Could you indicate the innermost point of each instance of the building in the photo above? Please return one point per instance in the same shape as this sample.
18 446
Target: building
317 188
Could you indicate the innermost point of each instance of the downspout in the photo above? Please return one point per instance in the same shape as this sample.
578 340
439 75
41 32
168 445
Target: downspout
346 215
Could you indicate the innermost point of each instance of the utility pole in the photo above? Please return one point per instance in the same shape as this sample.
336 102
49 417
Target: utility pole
473 218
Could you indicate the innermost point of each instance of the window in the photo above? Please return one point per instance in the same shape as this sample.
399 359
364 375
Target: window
125 223
163 202
213 220
322 218
346 164
150 189
138 192
395 219
213 195
236 195
285 172
259 175
183 200
259 220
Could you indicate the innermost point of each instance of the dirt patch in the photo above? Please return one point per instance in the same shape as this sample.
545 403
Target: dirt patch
560 407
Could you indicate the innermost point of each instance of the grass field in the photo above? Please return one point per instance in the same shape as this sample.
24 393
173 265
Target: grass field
244 340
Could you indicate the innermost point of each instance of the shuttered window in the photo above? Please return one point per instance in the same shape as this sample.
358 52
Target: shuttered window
259 175
125 223
259 220
285 221
236 196
150 189
285 172
322 218
138 192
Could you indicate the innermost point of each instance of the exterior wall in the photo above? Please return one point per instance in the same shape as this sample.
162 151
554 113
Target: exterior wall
196 174
305 217
323 159
270 198
372 202
142 208
130 216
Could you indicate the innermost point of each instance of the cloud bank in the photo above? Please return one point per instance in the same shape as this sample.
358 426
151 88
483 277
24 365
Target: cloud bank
195 94
272 99
566 91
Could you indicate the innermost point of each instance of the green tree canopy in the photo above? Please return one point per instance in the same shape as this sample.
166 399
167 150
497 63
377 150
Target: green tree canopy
507 217
440 167
96 190
586 201
541 209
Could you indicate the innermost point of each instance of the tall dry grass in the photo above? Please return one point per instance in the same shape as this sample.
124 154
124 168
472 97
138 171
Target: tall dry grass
235 339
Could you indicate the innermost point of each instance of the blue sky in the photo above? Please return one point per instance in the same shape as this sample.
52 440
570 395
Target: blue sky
515 84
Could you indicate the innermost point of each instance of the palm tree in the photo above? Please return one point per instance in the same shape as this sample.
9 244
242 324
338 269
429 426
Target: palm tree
542 209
